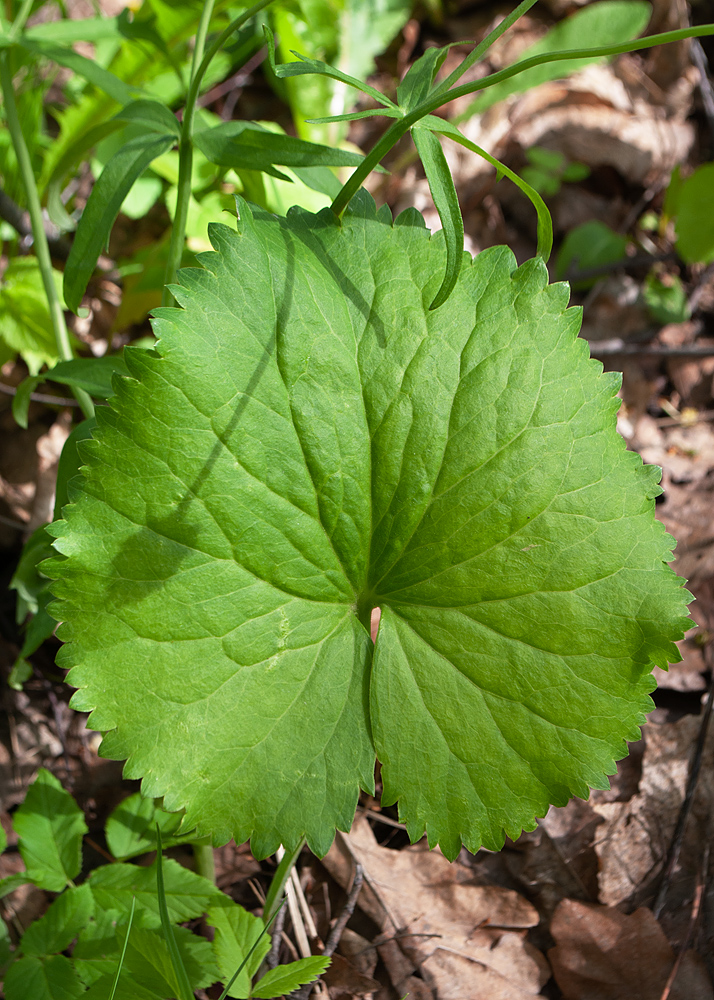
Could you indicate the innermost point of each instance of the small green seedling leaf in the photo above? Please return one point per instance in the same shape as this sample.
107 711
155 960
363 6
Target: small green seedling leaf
591 245
284 979
694 208
308 442
441 185
666 298
416 85
50 827
102 208
153 114
61 923
31 978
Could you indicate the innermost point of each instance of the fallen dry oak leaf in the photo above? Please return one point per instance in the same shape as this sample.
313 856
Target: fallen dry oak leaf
603 954
467 941
633 840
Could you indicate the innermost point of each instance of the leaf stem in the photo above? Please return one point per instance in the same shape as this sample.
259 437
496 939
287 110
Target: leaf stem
42 250
438 98
19 23
201 62
277 886
205 861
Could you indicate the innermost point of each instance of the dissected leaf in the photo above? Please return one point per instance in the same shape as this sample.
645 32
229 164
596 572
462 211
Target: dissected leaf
308 442
187 895
602 23
441 185
415 86
38 979
285 978
108 193
237 931
60 924
50 826
249 146
153 114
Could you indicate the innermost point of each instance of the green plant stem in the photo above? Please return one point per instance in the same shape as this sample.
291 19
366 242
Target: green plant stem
22 15
205 861
201 62
473 57
277 886
439 98
42 250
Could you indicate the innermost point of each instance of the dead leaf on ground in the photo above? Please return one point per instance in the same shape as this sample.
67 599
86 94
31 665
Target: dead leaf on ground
635 836
603 954
467 941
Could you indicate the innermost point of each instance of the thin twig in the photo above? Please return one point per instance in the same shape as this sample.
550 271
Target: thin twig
639 260
336 933
20 222
701 287
694 916
39 397
699 59
694 769
277 937
618 348
349 908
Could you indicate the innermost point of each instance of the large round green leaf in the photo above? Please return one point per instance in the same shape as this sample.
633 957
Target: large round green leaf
309 442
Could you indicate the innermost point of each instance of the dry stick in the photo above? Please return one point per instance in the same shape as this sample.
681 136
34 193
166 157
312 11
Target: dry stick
705 85
694 916
20 221
695 767
336 933
694 298
277 937
616 348
39 397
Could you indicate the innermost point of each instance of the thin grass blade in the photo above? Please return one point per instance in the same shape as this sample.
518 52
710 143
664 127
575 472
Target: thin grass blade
123 951
182 980
245 961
